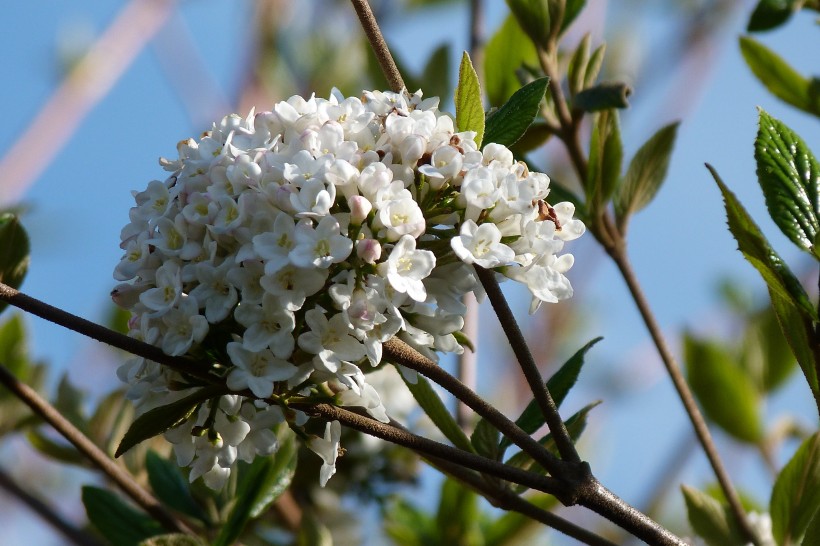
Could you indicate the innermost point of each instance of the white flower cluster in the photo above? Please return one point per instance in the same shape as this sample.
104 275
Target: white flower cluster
287 246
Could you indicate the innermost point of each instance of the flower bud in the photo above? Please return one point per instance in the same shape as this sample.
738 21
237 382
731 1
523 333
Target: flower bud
369 250
360 207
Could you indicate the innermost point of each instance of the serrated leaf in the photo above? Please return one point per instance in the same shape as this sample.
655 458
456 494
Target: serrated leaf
796 494
485 440
116 521
507 50
260 483
725 392
757 250
159 420
507 124
711 520
799 333
469 110
770 14
171 487
457 515
645 173
437 412
603 96
559 385
14 252
789 175
534 18
782 81
175 539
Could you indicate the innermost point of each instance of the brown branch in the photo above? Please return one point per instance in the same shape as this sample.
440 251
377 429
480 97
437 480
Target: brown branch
377 43
522 354
94 454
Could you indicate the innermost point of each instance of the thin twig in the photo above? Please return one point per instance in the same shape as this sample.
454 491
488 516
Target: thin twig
47 513
377 43
399 352
94 454
522 354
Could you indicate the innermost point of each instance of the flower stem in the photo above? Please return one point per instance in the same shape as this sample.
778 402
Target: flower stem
94 454
377 43
522 353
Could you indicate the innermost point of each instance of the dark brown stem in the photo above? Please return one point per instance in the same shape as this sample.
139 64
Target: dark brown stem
47 513
431 448
522 354
377 43
618 255
94 454
399 352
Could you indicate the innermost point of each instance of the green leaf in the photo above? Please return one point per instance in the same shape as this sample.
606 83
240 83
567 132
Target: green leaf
485 440
603 96
507 124
175 539
407 525
765 352
796 494
645 173
507 51
596 60
158 420
783 81
171 487
537 134
260 483
437 412
14 349
312 532
605 157
59 451
725 391
571 10
761 255
769 14
14 252
534 18
116 521
469 111
577 68
790 178
512 528
812 536
559 385
710 519
799 333
458 514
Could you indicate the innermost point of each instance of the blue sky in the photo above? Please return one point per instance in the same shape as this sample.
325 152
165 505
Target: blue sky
680 245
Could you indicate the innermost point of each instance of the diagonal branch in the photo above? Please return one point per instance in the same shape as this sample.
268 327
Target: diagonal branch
94 454
377 43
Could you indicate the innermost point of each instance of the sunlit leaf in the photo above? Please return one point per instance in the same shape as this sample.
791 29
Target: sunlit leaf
469 110
710 519
507 124
799 333
757 250
796 494
783 81
118 522
789 175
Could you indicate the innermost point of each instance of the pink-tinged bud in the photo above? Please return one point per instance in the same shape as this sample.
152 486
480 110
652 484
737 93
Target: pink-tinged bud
127 295
360 207
369 250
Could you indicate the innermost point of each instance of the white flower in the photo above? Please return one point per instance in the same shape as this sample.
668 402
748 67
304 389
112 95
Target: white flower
256 370
401 217
215 290
328 449
481 245
274 246
406 267
320 246
330 340
268 326
184 326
